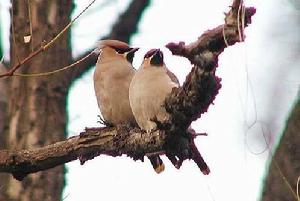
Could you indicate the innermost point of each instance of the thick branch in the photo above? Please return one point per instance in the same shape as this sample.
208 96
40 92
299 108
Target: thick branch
122 30
87 145
185 104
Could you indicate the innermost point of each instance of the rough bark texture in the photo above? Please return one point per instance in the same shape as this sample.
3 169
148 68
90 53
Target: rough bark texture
198 92
3 107
37 112
87 145
185 104
285 165
3 125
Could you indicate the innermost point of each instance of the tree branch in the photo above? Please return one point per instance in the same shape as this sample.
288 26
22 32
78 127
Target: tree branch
187 103
122 30
174 137
90 143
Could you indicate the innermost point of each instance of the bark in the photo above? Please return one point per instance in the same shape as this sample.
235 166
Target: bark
37 112
87 145
3 124
185 104
281 181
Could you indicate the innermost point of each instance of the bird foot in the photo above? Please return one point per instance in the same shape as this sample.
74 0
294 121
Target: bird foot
103 122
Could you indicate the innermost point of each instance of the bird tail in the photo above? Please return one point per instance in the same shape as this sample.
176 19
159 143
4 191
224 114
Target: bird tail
157 163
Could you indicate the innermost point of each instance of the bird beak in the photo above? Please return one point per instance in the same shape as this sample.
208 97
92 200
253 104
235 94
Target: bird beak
130 54
157 58
134 50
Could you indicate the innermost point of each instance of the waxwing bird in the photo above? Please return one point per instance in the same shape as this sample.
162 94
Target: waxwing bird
148 89
112 78
151 84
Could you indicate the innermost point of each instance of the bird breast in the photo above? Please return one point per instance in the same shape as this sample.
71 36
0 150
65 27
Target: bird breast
111 83
148 90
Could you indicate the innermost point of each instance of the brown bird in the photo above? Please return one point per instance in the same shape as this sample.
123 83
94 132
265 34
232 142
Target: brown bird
151 84
148 89
112 78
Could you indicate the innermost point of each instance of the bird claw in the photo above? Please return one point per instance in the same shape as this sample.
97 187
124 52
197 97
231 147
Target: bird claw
103 122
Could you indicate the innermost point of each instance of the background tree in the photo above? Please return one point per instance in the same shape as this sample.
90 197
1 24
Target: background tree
283 173
36 115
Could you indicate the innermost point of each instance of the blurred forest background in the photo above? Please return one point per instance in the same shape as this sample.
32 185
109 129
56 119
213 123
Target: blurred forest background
255 116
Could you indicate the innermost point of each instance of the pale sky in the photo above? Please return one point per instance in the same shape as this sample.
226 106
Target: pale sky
232 149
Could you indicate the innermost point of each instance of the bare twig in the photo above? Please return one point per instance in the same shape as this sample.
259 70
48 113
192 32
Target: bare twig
55 71
46 46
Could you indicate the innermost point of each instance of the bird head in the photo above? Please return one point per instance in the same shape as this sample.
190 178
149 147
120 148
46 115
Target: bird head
113 44
154 57
116 48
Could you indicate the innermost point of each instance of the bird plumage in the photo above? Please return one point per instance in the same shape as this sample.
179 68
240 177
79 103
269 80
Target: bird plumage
112 78
151 84
149 87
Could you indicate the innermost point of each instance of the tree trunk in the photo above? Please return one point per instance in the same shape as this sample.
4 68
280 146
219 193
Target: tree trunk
37 105
3 126
281 182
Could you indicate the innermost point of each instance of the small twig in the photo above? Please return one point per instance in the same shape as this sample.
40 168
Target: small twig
54 71
46 46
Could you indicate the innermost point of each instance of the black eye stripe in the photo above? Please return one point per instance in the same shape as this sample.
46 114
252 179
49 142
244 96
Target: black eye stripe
123 50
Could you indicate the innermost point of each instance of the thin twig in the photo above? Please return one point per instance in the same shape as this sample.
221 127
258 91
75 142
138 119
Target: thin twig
46 46
55 71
